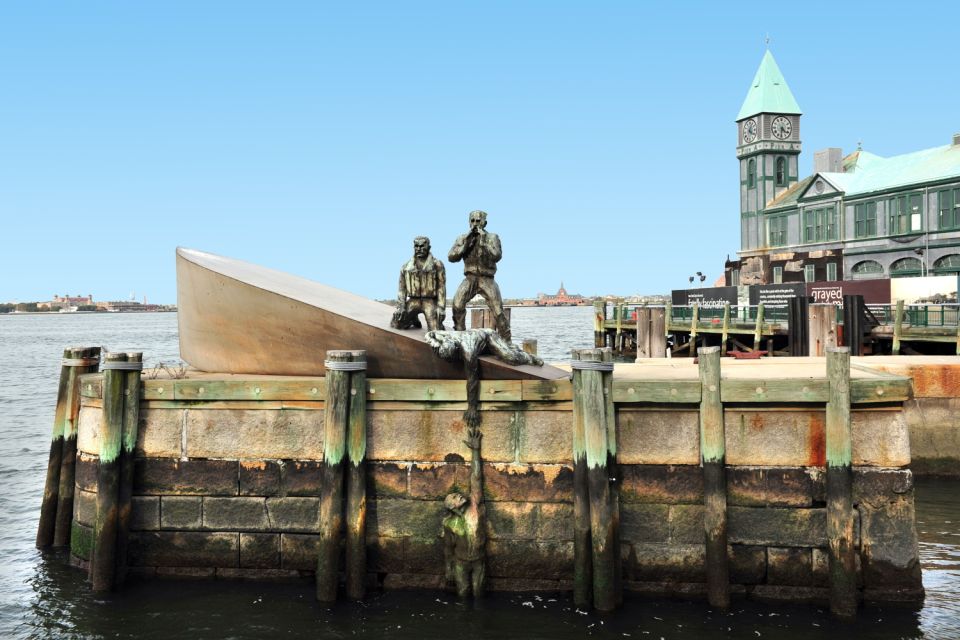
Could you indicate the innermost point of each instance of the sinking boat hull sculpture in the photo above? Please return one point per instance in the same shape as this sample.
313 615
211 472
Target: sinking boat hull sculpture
237 317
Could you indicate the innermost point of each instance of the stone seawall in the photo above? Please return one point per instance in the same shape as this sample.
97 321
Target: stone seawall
229 485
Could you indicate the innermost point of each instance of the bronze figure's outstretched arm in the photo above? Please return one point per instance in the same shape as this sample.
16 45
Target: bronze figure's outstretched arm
474 436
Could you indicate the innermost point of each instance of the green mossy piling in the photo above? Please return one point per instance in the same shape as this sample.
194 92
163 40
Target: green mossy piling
712 456
582 567
103 560
51 488
840 515
356 516
128 442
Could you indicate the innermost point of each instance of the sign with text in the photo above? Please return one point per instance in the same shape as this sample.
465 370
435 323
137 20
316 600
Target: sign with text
706 298
873 291
776 296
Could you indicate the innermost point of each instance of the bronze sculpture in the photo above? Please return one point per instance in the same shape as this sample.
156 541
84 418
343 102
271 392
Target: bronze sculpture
469 346
464 528
480 252
422 289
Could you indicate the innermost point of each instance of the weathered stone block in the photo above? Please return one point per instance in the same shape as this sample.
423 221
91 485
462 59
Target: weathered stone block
296 515
85 507
777 527
164 476
528 559
686 524
181 512
775 438
259 478
658 436
661 484
512 520
299 551
85 474
659 562
888 543
423 555
385 555
259 574
532 483
387 479
544 437
254 434
555 522
790 565
88 430
430 436
789 593
159 433
748 564
434 480
878 487
81 541
820 566
235 514
769 487
184 549
644 522
400 518
145 513
260 550
880 438
302 478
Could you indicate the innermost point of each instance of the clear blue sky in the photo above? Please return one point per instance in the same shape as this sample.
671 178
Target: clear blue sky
320 139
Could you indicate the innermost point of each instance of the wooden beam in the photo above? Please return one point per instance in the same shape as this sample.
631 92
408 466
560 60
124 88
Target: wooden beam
840 513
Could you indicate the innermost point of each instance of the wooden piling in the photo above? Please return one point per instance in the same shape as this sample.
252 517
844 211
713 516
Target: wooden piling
582 561
618 312
797 326
897 327
83 360
613 471
128 442
758 329
725 330
599 320
103 559
712 456
840 515
336 414
694 321
356 515
51 489
822 330
529 345
593 409
644 333
658 333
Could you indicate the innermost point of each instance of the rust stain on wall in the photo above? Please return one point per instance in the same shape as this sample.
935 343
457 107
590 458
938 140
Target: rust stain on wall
817 441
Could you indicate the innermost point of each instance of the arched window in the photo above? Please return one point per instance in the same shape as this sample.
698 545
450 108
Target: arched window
906 268
867 270
751 173
781 171
947 264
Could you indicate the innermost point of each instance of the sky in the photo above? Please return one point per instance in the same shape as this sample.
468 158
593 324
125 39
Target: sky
320 138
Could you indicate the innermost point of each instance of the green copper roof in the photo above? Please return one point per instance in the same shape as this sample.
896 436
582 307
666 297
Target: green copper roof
769 92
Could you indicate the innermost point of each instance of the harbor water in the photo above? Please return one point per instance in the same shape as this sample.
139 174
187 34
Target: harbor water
42 597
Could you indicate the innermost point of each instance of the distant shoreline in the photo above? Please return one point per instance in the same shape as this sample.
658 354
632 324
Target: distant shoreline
80 313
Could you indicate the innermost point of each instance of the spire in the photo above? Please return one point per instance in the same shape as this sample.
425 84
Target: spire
769 92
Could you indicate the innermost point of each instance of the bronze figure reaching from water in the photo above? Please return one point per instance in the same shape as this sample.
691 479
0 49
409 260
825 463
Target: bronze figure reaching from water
464 528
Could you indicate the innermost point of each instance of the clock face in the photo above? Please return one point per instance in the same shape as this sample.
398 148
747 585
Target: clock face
749 131
782 127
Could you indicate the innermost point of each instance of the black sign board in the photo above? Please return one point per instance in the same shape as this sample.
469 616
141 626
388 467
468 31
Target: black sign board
776 296
706 298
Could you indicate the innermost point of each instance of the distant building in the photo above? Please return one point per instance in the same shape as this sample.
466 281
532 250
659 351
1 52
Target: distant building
560 299
856 217
66 302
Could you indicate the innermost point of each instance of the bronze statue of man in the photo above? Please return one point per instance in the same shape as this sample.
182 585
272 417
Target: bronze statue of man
464 529
480 252
422 289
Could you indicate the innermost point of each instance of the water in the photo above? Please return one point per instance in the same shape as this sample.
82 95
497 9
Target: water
40 596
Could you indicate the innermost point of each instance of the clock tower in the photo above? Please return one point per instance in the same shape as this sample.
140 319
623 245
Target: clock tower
768 146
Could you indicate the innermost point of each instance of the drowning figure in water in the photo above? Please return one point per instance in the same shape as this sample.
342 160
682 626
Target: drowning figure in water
464 528
469 346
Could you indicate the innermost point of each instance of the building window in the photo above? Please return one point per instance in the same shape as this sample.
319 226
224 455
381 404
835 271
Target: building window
735 277
906 268
778 275
947 264
781 171
867 270
948 205
777 231
820 225
865 220
831 271
905 213
809 273
751 173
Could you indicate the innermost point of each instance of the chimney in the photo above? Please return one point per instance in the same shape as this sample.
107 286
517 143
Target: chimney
956 139
828 160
